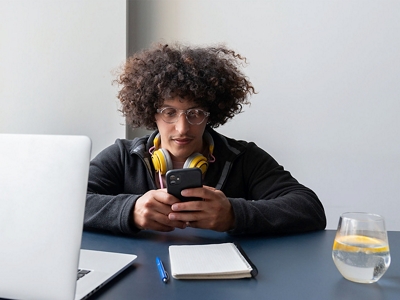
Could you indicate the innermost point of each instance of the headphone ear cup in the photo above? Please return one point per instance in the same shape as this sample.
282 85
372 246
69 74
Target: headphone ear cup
196 160
161 161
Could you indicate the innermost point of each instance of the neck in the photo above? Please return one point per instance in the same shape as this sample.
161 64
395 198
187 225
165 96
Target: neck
177 164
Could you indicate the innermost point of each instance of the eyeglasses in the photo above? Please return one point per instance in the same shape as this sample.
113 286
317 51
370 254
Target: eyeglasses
194 116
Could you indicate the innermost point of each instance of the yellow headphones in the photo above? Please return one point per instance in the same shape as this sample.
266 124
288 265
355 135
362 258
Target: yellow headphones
162 161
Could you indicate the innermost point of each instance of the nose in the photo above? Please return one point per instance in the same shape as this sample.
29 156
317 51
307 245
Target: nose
182 125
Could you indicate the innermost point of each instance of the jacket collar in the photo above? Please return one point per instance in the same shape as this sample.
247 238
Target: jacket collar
226 150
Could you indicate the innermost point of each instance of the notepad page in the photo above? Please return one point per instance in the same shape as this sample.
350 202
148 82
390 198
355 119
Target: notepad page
207 259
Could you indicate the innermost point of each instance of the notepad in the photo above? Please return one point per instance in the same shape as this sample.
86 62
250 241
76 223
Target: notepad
211 261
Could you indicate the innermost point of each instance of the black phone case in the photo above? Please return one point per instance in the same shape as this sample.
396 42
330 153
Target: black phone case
180 179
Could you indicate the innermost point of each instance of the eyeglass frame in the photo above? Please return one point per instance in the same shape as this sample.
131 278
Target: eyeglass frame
183 111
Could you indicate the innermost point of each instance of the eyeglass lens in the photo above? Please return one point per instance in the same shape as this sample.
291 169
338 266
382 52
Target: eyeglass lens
194 116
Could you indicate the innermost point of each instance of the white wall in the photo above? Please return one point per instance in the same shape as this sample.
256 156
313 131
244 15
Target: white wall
327 75
56 59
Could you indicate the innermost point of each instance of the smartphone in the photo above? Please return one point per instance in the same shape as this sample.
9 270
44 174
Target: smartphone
180 179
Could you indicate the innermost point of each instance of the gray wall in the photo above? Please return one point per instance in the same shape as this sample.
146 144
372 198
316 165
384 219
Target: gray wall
327 75
326 72
56 63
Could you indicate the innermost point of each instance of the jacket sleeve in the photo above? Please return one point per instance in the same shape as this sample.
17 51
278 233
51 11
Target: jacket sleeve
271 201
108 205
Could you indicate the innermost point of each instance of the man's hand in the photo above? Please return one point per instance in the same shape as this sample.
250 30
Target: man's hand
152 209
214 212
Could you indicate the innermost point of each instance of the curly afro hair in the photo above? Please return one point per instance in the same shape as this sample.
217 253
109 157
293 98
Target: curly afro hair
209 76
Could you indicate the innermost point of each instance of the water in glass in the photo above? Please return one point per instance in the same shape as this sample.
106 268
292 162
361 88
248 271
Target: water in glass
361 249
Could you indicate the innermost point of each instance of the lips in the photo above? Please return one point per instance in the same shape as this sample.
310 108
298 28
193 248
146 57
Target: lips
182 141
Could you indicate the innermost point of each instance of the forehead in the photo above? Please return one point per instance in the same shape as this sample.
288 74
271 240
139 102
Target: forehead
179 102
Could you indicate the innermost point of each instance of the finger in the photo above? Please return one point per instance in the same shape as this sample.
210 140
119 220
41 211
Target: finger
194 192
188 206
163 197
210 188
205 193
185 217
162 220
152 214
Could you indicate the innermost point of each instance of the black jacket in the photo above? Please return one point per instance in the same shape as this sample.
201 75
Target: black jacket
265 198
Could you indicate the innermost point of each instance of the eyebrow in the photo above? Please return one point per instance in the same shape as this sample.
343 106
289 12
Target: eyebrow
194 107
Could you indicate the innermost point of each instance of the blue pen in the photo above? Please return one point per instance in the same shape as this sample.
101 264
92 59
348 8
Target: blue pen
163 274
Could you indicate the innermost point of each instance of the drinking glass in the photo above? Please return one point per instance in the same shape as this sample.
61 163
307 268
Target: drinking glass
361 247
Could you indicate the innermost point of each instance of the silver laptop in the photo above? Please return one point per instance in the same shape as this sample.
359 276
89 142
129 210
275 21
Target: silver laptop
43 183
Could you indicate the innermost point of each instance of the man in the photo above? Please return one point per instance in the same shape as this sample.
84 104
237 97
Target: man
183 93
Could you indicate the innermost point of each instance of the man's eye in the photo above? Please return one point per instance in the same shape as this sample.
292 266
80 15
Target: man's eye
194 113
170 112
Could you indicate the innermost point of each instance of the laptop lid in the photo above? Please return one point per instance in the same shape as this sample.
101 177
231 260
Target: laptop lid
43 183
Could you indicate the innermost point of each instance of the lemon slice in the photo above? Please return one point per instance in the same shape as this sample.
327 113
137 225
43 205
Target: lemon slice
359 243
